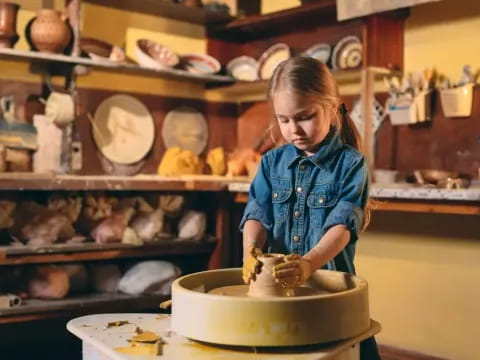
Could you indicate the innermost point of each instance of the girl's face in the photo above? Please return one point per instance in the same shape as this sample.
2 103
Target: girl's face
302 122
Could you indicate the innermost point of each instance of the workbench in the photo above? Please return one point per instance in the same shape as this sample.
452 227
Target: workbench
99 342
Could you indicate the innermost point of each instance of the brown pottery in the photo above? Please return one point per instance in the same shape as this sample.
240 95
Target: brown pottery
264 284
8 24
49 33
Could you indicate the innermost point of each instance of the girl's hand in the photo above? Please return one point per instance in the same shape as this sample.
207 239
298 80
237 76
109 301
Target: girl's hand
293 272
251 265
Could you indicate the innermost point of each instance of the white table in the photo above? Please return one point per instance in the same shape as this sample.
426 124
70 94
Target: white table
99 342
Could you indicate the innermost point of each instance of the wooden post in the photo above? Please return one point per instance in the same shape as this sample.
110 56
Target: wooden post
367 97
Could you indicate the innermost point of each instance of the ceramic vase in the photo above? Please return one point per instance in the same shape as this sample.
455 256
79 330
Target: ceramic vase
264 284
8 24
49 33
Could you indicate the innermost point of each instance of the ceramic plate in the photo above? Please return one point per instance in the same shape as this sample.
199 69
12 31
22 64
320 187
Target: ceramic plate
243 68
185 127
200 64
270 59
123 129
154 55
320 51
101 50
347 53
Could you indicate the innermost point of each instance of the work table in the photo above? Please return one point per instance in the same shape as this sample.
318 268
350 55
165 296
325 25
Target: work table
99 342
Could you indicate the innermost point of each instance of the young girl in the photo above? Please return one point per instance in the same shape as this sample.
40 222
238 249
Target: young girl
309 197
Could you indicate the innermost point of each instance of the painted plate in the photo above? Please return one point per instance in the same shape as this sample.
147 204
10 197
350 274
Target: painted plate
320 51
347 53
270 59
200 64
243 68
186 128
123 129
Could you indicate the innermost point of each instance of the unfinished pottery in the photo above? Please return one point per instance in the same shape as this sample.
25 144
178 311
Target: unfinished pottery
264 284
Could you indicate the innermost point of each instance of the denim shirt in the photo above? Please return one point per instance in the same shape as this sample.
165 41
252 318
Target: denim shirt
298 198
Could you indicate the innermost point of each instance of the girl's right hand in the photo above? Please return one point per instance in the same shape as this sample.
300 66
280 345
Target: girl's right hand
251 264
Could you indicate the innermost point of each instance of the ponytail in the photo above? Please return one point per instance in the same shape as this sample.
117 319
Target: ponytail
347 129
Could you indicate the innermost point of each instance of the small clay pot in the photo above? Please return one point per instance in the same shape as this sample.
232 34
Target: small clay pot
192 3
264 284
8 24
49 33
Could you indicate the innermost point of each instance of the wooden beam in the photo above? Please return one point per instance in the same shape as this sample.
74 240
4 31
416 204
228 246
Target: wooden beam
424 207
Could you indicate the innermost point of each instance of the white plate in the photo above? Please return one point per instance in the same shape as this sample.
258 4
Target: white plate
340 52
270 59
186 128
123 129
320 51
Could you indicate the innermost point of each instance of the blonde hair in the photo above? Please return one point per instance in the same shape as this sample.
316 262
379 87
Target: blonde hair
309 77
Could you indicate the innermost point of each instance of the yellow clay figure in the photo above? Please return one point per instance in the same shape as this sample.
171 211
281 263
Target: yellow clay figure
216 161
177 161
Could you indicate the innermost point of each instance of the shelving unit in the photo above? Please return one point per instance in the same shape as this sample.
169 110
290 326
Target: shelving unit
52 60
63 253
35 309
27 181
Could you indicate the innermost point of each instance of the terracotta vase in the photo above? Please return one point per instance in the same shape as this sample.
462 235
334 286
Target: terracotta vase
264 284
192 3
49 33
8 24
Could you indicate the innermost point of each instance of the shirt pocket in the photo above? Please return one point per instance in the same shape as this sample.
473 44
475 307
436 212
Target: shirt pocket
281 193
320 201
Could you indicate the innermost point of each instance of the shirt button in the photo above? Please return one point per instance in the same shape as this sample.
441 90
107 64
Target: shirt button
275 195
302 167
321 200
296 238
299 189
296 214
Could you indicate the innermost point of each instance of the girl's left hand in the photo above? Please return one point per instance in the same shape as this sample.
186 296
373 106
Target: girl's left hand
293 272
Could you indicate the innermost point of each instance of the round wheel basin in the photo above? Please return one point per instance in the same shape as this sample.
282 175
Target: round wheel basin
336 308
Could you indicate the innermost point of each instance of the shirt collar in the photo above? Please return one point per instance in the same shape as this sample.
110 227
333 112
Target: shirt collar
328 146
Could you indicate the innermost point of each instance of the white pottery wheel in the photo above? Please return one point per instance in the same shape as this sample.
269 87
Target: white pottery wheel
283 321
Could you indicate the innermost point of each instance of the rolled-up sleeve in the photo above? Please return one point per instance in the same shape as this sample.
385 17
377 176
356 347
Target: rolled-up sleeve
259 206
353 196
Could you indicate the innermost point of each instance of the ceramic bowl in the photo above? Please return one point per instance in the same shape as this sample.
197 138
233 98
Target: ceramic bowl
200 64
270 59
243 68
101 50
320 51
154 55
347 53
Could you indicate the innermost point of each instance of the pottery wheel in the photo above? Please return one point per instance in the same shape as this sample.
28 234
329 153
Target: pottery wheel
212 306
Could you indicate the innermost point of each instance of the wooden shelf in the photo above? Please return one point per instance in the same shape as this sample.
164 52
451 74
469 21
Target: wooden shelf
34 309
168 9
29 181
54 59
61 253
250 27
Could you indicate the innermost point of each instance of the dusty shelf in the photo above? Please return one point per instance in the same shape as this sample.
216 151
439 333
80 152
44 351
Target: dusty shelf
30 181
36 309
55 59
61 253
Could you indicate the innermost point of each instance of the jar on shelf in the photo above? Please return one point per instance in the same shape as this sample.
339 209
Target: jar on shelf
8 24
49 33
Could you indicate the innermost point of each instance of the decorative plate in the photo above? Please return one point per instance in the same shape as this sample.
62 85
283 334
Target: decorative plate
243 68
200 64
270 59
154 55
186 128
123 129
320 51
347 53
101 50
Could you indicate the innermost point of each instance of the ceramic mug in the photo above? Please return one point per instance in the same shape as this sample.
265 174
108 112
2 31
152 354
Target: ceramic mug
60 108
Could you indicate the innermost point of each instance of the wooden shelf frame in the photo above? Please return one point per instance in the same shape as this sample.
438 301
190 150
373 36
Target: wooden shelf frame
52 60
28 181
167 9
35 309
64 253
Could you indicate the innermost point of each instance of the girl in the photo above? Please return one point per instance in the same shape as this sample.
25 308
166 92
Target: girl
309 197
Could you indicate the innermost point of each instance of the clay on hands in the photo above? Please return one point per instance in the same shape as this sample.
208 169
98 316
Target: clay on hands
294 271
251 265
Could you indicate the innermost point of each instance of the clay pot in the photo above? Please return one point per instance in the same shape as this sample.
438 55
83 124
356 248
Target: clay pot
192 3
49 33
8 24
264 284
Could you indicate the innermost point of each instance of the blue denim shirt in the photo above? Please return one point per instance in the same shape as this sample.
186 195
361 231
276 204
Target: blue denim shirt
298 198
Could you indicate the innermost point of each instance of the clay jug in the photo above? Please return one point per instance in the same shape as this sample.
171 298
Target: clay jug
49 33
264 284
8 24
